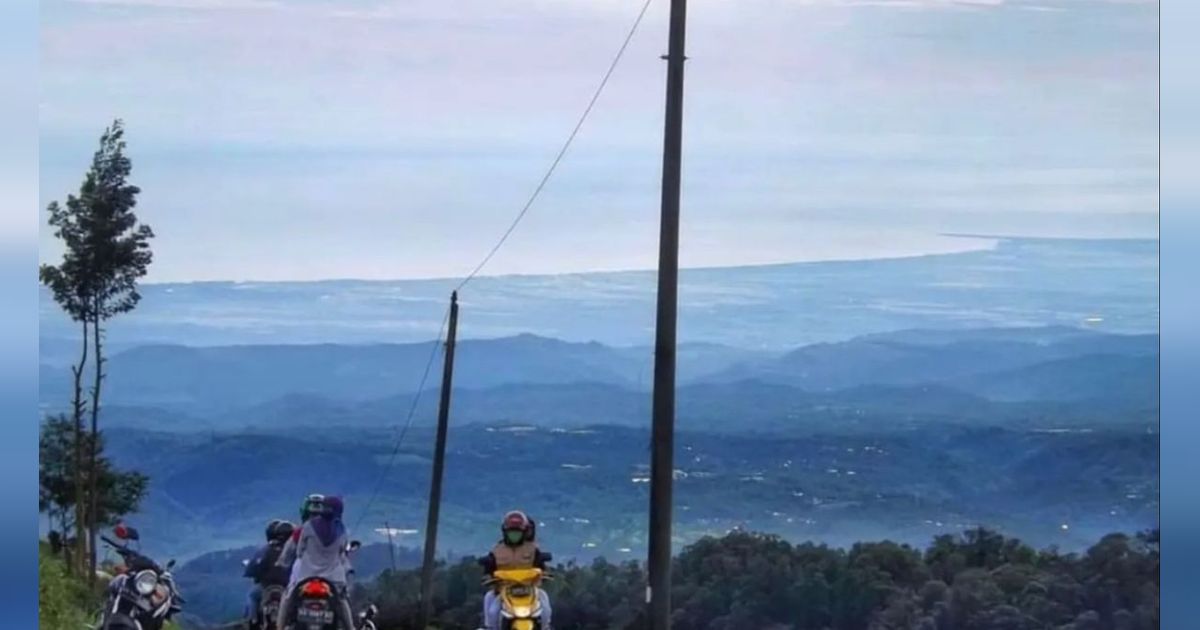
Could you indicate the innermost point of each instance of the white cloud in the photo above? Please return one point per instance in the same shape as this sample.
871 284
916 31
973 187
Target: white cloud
420 116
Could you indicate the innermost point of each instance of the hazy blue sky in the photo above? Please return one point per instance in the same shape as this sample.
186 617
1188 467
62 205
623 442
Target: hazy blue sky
299 139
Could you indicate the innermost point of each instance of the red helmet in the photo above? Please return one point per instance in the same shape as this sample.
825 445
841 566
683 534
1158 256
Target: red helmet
514 521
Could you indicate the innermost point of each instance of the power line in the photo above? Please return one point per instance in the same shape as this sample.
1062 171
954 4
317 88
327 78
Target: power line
491 253
562 152
500 243
412 412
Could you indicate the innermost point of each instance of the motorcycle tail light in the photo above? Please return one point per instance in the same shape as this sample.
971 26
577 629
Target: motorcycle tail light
316 588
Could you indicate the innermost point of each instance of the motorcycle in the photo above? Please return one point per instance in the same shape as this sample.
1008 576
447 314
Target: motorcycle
268 608
520 607
144 596
317 601
366 618
270 599
316 605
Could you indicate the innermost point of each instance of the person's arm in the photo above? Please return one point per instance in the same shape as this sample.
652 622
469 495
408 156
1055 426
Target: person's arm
288 555
254 568
344 554
488 563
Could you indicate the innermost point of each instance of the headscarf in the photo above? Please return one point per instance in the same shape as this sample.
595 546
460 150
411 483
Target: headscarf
328 525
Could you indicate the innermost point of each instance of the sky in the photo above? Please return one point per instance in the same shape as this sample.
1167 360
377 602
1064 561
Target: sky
313 139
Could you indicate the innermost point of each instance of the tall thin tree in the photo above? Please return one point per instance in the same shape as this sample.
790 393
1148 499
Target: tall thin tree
69 283
107 253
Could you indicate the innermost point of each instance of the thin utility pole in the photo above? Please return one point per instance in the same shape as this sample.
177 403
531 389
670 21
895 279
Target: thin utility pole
391 546
662 463
439 462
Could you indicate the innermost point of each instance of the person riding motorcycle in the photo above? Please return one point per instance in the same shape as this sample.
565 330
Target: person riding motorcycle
264 571
312 505
516 550
318 550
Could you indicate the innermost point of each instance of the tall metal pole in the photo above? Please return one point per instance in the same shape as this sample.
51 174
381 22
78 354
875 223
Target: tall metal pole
662 463
439 461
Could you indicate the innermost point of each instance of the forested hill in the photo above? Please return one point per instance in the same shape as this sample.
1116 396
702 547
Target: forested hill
588 486
978 579
994 376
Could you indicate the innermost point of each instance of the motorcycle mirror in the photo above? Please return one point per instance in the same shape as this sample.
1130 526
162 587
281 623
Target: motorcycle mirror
170 564
354 544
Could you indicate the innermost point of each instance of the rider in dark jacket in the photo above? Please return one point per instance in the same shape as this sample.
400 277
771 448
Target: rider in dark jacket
264 570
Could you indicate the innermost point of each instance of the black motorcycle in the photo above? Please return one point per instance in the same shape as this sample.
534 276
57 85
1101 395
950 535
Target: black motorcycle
316 602
145 596
273 588
366 618
316 608
268 609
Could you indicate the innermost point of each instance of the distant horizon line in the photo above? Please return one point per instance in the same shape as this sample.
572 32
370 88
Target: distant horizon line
995 238
1083 327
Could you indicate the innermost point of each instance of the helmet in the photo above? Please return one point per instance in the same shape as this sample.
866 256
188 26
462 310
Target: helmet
517 522
272 529
531 529
283 531
313 504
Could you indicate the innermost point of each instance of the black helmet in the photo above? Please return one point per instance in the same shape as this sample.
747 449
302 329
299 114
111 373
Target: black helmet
272 528
283 531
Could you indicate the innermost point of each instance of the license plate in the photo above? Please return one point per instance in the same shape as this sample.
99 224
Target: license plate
316 614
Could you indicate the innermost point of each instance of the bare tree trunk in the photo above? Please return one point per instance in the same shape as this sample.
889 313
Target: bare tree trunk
94 512
68 556
77 409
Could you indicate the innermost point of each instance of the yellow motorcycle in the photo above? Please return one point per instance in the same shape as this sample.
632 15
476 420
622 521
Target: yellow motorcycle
520 607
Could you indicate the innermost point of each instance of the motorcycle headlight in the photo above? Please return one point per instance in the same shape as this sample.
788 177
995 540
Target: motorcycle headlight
522 612
145 581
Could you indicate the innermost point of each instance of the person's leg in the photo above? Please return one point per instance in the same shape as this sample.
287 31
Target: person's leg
491 610
344 611
284 604
544 601
253 604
